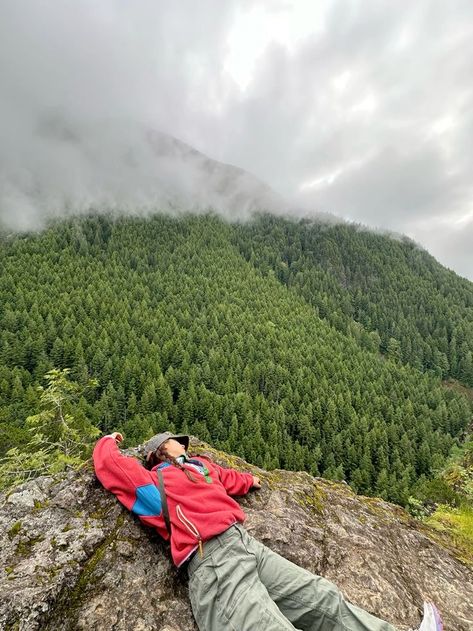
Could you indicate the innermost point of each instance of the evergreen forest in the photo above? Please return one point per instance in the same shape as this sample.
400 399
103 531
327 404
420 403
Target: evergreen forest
295 344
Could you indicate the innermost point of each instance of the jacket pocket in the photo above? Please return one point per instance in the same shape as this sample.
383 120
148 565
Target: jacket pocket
190 526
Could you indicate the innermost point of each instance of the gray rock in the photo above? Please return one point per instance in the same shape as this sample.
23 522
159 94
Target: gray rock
71 557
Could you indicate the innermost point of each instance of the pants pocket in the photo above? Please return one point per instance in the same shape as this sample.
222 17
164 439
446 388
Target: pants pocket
236 571
247 541
202 595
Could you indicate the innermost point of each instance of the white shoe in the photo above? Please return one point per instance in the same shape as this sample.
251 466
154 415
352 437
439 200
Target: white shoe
431 620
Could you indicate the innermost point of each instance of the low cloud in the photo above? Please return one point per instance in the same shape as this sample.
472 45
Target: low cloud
451 242
360 109
113 165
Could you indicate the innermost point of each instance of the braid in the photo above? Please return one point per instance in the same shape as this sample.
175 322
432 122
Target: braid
164 457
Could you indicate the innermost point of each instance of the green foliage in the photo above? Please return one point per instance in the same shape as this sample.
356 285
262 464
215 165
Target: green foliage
448 497
417 508
186 329
57 438
457 523
430 492
459 472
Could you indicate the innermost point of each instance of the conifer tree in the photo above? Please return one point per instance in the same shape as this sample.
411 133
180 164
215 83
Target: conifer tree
57 438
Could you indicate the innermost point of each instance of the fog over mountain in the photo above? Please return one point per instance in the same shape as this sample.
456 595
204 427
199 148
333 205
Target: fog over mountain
363 110
124 167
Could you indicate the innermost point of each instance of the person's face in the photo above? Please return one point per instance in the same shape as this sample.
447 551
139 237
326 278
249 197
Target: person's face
174 448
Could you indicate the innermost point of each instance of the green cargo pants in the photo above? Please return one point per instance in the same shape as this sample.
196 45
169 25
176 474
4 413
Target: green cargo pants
241 585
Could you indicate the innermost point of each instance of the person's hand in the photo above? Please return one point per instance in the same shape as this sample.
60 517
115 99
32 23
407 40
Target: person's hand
256 483
117 437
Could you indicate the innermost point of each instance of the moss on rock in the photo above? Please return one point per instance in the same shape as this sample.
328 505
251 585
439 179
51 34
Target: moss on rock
14 530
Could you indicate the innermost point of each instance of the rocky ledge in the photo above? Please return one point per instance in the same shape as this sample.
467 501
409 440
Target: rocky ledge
72 558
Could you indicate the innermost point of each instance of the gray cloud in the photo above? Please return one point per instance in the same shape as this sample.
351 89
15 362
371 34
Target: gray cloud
453 243
374 108
372 191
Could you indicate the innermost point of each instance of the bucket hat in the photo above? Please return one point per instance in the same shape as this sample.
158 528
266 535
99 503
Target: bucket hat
148 449
159 439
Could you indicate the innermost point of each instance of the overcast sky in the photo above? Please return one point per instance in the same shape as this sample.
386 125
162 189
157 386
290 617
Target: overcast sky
358 108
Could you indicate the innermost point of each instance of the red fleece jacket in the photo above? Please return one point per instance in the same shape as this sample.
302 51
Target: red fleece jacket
197 510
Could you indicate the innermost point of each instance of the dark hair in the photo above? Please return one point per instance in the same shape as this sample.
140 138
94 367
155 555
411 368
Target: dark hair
160 455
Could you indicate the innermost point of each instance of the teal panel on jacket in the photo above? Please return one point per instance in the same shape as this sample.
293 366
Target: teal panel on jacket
148 501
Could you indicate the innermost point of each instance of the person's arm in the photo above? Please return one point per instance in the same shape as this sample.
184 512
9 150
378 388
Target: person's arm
126 478
236 483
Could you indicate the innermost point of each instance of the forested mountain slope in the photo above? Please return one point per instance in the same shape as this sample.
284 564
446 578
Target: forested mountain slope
418 311
182 332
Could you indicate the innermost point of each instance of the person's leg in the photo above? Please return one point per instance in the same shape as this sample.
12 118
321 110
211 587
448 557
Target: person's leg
226 592
309 601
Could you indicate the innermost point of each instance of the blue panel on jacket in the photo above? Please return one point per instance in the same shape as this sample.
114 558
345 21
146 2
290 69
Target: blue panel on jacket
148 501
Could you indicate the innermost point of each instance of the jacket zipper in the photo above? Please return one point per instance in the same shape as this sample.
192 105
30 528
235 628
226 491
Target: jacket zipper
191 528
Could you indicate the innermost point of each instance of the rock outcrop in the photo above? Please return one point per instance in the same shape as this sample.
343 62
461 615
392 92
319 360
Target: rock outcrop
73 558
